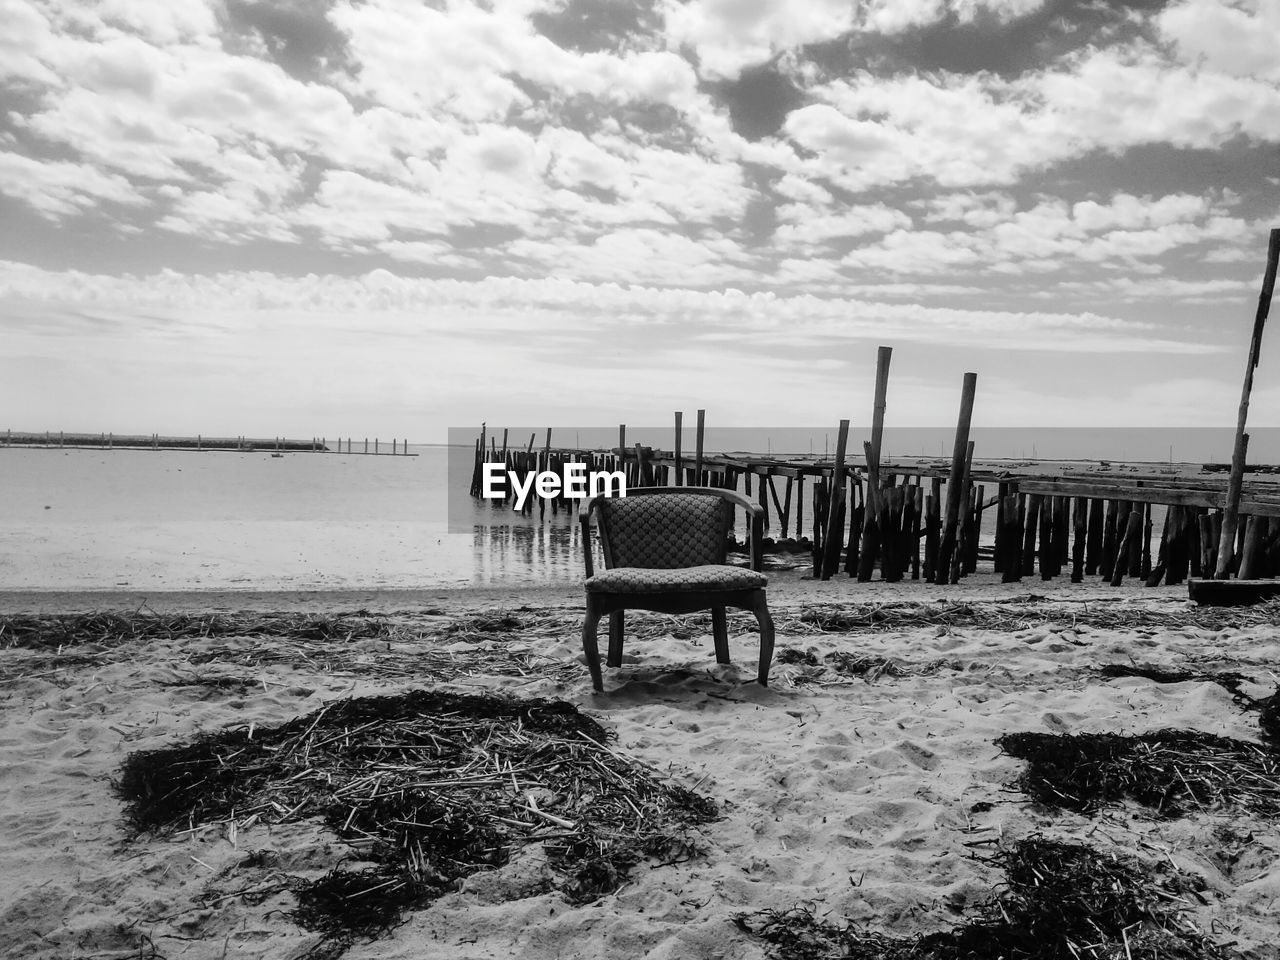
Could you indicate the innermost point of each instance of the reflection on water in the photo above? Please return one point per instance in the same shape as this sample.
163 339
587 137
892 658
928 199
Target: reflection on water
542 553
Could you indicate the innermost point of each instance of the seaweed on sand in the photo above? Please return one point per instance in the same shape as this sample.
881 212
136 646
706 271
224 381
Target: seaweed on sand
430 786
1228 680
1060 901
1020 613
1168 770
47 632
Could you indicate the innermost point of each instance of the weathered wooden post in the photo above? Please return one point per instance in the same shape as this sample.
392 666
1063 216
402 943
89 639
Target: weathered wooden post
1029 535
870 540
1093 538
834 534
1231 512
1192 549
955 489
1007 518
786 509
971 523
800 506
1107 554
697 455
870 516
1080 522
916 514
677 471
545 465
1128 544
1251 558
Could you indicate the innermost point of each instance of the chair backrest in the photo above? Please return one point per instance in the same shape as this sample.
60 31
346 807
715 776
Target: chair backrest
664 531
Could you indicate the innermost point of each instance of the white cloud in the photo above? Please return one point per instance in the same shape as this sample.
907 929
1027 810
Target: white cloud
644 256
1239 40
802 225
589 308
974 209
1131 290
458 61
24 44
1129 212
1122 231
58 188
962 131
728 35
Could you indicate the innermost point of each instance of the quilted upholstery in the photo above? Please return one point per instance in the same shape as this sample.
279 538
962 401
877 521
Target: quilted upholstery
685 580
666 531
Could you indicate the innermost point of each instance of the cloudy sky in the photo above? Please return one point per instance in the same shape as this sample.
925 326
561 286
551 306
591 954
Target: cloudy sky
323 217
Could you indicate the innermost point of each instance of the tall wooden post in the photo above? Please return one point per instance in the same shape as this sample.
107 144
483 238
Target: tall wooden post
697 453
1231 512
834 535
871 510
870 515
676 468
955 481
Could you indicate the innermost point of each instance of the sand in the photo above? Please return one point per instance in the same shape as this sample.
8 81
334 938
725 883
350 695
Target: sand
866 800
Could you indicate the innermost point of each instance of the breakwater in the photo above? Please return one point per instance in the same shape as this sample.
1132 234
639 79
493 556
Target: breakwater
155 441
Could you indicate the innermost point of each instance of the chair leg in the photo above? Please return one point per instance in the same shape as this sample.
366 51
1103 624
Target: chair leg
616 622
760 606
720 632
590 649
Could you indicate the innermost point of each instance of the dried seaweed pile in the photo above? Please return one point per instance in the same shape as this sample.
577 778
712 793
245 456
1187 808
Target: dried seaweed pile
1060 901
110 629
429 786
1170 771
846 665
1016 615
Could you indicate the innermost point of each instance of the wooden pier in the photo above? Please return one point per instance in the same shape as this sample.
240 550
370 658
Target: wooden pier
923 521
862 517
243 444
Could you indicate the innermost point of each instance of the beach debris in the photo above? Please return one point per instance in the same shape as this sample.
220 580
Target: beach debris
1022 613
430 786
1060 901
55 631
1170 771
1229 681
1269 718
845 664
872 667
349 904
794 657
485 624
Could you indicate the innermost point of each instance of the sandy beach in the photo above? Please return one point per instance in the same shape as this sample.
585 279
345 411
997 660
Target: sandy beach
863 786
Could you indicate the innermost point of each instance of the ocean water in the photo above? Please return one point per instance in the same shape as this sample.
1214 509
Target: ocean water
94 519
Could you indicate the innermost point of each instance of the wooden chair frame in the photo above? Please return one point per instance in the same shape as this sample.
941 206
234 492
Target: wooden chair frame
717 601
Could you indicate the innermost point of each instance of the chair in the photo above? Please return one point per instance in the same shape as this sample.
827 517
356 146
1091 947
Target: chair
664 550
